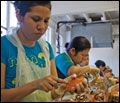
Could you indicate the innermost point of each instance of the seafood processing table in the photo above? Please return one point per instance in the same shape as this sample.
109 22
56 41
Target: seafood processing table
102 89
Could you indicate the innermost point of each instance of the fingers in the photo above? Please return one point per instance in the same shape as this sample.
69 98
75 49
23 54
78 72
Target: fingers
49 82
97 71
82 87
94 71
48 87
73 76
58 80
85 84
45 87
70 77
79 87
72 90
53 83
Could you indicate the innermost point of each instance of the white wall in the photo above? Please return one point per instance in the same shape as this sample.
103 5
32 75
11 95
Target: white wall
53 27
75 7
109 55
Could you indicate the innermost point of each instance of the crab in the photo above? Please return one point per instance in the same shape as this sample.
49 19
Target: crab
106 83
72 83
109 95
79 79
98 89
112 94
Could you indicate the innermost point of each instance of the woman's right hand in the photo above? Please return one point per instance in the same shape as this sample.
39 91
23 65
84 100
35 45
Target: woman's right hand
48 83
94 71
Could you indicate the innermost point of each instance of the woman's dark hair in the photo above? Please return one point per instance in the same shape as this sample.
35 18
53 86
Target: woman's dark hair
80 43
99 63
25 6
66 45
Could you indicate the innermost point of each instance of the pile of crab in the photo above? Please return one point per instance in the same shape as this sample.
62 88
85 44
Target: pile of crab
100 89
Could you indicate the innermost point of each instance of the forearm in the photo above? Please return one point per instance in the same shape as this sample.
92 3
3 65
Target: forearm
77 70
16 94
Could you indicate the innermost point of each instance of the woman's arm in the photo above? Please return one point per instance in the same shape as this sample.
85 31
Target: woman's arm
78 70
53 68
14 94
82 70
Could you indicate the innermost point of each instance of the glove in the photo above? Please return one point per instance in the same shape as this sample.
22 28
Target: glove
94 71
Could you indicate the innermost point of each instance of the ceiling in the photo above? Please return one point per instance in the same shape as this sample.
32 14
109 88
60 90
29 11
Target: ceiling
86 11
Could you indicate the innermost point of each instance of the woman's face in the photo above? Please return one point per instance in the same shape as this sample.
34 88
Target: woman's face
85 62
35 23
81 56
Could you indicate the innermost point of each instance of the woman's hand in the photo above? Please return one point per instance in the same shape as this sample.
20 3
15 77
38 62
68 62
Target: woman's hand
48 83
79 87
94 71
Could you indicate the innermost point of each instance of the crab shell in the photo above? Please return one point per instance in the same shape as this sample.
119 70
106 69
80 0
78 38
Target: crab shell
114 93
72 83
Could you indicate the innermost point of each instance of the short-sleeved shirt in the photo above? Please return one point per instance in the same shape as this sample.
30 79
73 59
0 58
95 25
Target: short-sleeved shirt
63 63
9 57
